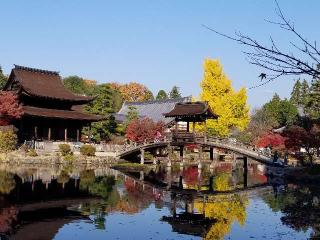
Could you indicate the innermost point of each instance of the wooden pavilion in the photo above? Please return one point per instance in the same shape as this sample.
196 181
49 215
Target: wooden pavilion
50 112
190 112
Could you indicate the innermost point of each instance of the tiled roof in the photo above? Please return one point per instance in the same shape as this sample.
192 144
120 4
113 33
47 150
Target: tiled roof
151 109
59 114
44 84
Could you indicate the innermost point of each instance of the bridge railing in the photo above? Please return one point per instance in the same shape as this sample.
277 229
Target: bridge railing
240 146
138 144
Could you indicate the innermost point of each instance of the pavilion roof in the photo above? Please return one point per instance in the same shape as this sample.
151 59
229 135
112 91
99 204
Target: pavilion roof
59 114
190 110
44 84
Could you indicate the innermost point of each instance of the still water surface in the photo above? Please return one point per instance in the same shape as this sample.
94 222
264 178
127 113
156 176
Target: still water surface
66 202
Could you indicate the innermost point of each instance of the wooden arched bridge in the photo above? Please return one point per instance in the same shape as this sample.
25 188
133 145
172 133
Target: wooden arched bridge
203 143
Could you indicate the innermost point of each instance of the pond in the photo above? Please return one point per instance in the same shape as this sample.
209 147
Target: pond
79 202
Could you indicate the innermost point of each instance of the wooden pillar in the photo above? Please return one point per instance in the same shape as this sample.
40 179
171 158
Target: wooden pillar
141 176
188 127
36 132
193 126
181 153
211 153
245 172
205 131
49 134
142 156
176 126
211 184
180 182
200 152
78 135
66 134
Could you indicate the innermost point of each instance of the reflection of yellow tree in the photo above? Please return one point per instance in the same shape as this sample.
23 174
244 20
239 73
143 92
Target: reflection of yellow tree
222 182
225 210
7 182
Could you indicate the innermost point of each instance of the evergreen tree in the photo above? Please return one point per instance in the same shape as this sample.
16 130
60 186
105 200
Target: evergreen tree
305 90
283 111
3 79
313 108
229 105
296 93
162 95
175 93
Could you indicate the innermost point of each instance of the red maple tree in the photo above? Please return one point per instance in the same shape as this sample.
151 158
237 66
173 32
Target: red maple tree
9 108
299 137
140 130
273 140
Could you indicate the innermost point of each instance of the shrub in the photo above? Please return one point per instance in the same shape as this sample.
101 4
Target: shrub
88 150
8 141
64 149
32 153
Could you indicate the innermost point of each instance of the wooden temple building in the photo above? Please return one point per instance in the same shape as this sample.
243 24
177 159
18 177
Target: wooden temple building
50 111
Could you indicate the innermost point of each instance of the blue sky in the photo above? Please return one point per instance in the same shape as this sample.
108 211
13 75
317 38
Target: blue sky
157 43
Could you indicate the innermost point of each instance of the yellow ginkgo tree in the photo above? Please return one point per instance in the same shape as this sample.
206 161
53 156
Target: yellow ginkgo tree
230 105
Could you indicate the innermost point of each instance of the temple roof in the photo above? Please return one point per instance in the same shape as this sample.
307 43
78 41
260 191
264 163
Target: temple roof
44 84
59 114
191 110
151 109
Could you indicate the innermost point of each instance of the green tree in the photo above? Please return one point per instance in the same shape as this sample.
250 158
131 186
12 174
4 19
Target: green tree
283 111
296 93
78 85
103 101
230 105
175 93
131 115
107 100
305 90
313 106
162 95
3 78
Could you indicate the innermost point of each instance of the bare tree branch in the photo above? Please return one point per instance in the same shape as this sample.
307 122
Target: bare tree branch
276 61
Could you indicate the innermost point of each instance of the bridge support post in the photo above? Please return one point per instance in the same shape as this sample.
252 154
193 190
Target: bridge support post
245 171
141 156
211 153
181 153
211 184
141 176
180 182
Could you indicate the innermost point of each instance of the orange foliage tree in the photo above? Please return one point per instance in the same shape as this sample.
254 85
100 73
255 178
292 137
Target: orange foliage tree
133 92
9 108
139 130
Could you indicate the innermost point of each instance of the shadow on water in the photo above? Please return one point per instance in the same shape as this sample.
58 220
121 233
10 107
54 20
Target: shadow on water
47 202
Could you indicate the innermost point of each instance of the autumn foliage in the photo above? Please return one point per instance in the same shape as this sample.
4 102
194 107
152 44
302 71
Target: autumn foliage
9 108
273 140
139 130
133 92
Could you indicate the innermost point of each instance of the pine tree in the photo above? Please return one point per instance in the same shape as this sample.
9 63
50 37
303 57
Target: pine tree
229 105
313 107
162 95
296 93
305 90
175 93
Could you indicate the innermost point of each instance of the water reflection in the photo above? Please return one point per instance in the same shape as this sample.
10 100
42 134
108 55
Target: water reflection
60 202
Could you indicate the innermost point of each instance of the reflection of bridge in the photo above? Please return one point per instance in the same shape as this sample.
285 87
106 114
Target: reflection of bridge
203 143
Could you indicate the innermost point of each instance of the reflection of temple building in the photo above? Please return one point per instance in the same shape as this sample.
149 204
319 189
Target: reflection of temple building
188 221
